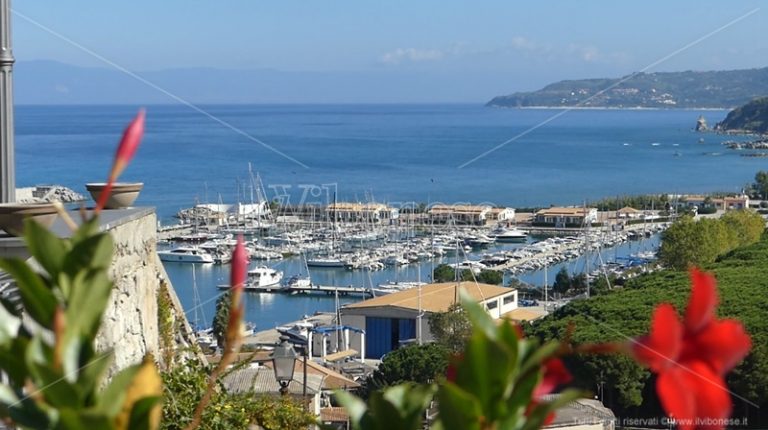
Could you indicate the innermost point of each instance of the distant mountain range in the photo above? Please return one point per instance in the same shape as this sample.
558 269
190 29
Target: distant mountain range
750 118
51 82
717 89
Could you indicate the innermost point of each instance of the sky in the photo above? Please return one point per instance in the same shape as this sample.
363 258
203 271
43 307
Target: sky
477 49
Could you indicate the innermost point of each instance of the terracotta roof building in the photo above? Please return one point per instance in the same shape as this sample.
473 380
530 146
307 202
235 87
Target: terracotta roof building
400 318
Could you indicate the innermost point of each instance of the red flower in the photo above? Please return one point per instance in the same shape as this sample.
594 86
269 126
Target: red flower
236 282
692 357
128 145
239 265
555 374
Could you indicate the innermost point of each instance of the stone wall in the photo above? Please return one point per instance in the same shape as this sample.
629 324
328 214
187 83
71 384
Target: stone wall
144 314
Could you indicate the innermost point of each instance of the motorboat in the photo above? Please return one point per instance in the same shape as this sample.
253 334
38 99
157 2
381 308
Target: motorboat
264 278
326 261
509 235
186 254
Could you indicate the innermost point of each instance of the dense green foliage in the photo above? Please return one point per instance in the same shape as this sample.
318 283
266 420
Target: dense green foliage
53 375
640 202
625 312
446 273
565 283
491 277
451 328
221 318
184 386
751 117
688 242
760 187
412 363
720 89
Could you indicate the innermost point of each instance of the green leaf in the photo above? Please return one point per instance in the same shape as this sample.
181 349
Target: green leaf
487 370
481 321
536 355
92 374
142 414
94 252
111 399
53 385
90 291
83 419
356 408
459 410
39 301
9 326
46 247
27 414
12 359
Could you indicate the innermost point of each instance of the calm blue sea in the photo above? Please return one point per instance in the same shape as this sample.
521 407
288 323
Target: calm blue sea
392 153
389 153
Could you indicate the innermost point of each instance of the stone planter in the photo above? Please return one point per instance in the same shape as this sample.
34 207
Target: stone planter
122 196
12 216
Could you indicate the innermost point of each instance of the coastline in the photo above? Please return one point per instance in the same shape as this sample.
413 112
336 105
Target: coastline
597 108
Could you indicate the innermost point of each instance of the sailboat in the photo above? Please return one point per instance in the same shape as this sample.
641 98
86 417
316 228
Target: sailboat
329 260
301 280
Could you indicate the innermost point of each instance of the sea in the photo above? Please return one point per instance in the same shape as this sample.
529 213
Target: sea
397 154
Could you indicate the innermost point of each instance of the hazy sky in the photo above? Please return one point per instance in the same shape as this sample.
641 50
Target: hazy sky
495 43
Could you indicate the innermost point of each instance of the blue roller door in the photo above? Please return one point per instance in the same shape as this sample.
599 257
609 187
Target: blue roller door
378 336
407 329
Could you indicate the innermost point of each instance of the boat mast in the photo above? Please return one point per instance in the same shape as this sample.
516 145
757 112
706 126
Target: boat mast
587 225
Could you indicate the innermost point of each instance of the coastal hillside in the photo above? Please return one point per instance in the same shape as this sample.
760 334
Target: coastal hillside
626 312
714 89
750 118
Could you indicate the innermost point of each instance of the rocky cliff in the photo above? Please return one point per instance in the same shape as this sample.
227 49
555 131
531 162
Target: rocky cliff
750 118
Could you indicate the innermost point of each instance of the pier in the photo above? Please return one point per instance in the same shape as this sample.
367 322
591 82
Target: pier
328 290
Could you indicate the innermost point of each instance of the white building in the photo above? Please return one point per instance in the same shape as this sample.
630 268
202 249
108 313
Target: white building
392 320
362 212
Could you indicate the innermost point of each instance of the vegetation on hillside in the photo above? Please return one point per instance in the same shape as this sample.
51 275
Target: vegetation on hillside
625 313
751 117
715 89
697 243
183 388
446 273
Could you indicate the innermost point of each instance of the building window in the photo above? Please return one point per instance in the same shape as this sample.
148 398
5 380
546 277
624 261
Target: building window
509 299
492 305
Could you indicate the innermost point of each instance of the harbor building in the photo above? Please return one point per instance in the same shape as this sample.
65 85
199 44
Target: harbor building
723 204
501 215
402 317
629 213
562 217
460 214
362 212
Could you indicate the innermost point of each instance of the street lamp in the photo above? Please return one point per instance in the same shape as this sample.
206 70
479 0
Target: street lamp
283 360
7 166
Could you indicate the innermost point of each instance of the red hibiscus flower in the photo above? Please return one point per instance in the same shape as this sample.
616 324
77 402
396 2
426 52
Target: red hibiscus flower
691 357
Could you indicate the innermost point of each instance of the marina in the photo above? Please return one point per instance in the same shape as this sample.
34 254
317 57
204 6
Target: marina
371 260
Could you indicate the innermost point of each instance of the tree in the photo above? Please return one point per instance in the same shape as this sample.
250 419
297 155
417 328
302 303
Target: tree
450 328
562 281
761 184
221 319
446 273
746 225
412 363
492 277
183 388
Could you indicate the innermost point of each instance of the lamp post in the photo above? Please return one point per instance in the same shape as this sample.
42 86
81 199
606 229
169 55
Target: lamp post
7 164
283 360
